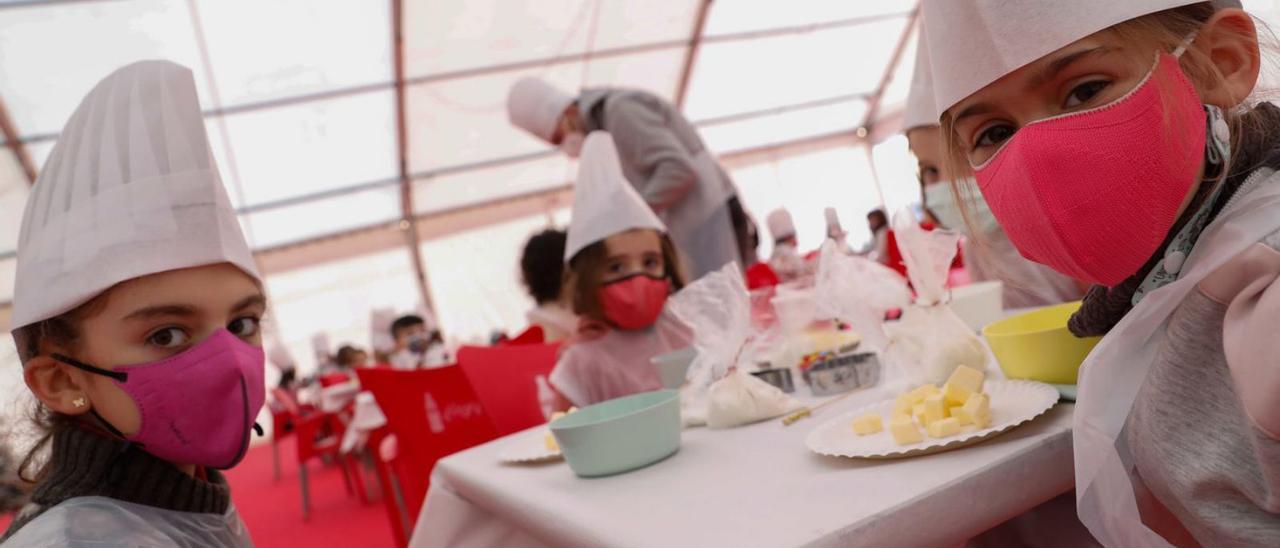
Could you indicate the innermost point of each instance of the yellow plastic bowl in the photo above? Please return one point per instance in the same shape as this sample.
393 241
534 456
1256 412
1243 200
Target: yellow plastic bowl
1038 346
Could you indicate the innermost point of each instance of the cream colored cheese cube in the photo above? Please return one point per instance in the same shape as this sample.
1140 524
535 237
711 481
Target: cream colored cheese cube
904 431
868 424
978 410
920 393
935 408
967 378
944 428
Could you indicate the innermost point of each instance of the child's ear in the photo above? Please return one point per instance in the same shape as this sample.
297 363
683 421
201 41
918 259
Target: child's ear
55 386
1230 40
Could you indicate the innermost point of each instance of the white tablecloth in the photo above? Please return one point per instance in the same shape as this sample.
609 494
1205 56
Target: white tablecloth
751 486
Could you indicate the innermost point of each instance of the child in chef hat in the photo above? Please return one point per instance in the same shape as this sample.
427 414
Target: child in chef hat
622 268
136 316
1113 142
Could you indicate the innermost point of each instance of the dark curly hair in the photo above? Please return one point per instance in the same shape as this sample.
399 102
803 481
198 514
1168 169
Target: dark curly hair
542 265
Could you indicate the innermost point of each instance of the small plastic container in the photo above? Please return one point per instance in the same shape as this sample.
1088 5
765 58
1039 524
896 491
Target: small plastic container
794 308
620 435
780 378
843 373
978 304
674 366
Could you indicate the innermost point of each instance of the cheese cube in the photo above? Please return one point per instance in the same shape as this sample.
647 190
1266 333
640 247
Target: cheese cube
868 424
956 394
957 412
902 406
919 394
904 431
977 410
968 379
917 412
935 409
943 428
550 442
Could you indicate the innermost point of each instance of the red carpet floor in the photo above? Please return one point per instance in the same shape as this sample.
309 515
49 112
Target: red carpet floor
273 509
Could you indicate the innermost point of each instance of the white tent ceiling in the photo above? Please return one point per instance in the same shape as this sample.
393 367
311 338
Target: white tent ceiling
301 96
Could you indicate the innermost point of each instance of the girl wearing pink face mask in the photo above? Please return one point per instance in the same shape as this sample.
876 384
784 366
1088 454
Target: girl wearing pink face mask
1113 143
136 316
622 268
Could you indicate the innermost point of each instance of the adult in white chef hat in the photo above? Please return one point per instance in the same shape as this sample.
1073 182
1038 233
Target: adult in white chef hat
1127 158
785 260
988 253
136 315
622 268
661 155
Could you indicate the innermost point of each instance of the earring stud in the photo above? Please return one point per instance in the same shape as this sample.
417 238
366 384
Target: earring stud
79 402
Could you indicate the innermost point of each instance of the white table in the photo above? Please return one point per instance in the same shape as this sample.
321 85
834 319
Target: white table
751 486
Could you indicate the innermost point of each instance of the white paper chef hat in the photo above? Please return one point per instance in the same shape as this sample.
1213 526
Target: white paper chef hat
975 43
280 357
380 320
780 224
321 346
130 189
535 106
833 220
922 110
604 202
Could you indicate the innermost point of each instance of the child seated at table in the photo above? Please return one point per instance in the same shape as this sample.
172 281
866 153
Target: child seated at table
136 316
623 267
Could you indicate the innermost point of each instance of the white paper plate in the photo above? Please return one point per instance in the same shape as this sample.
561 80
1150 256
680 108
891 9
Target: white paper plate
1012 403
528 450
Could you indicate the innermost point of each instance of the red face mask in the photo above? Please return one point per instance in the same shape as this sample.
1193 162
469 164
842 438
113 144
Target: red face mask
634 302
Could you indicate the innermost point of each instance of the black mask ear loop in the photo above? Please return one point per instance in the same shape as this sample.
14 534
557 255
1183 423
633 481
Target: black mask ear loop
120 376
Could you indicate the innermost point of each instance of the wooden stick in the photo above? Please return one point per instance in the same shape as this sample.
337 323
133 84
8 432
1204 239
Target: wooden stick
808 411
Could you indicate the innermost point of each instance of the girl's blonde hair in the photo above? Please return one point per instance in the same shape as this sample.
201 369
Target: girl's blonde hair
1161 31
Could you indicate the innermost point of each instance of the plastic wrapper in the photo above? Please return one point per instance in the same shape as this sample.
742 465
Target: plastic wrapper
720 392
931 340
858 291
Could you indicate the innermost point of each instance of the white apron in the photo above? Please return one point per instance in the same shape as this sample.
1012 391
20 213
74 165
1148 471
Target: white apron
700 224
1114 372
106 522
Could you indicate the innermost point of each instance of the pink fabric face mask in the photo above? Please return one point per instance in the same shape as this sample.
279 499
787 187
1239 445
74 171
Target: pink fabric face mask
634 302
198 406
1093 194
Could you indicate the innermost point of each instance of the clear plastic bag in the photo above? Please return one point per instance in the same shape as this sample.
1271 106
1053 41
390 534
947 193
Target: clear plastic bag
720 391
931 340
858 291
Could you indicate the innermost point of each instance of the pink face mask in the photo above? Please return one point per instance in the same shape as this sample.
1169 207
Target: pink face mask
198 406
1093 194
634 302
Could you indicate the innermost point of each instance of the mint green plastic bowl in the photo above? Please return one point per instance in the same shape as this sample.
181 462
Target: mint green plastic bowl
620 435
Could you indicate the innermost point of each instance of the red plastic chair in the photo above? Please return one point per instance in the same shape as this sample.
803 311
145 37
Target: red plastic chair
319 435
333 379
433 413
504 378
761 275
284 413
386 460
533 335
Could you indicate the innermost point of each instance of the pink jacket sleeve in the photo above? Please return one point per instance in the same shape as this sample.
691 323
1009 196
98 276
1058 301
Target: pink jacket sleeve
1249 285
